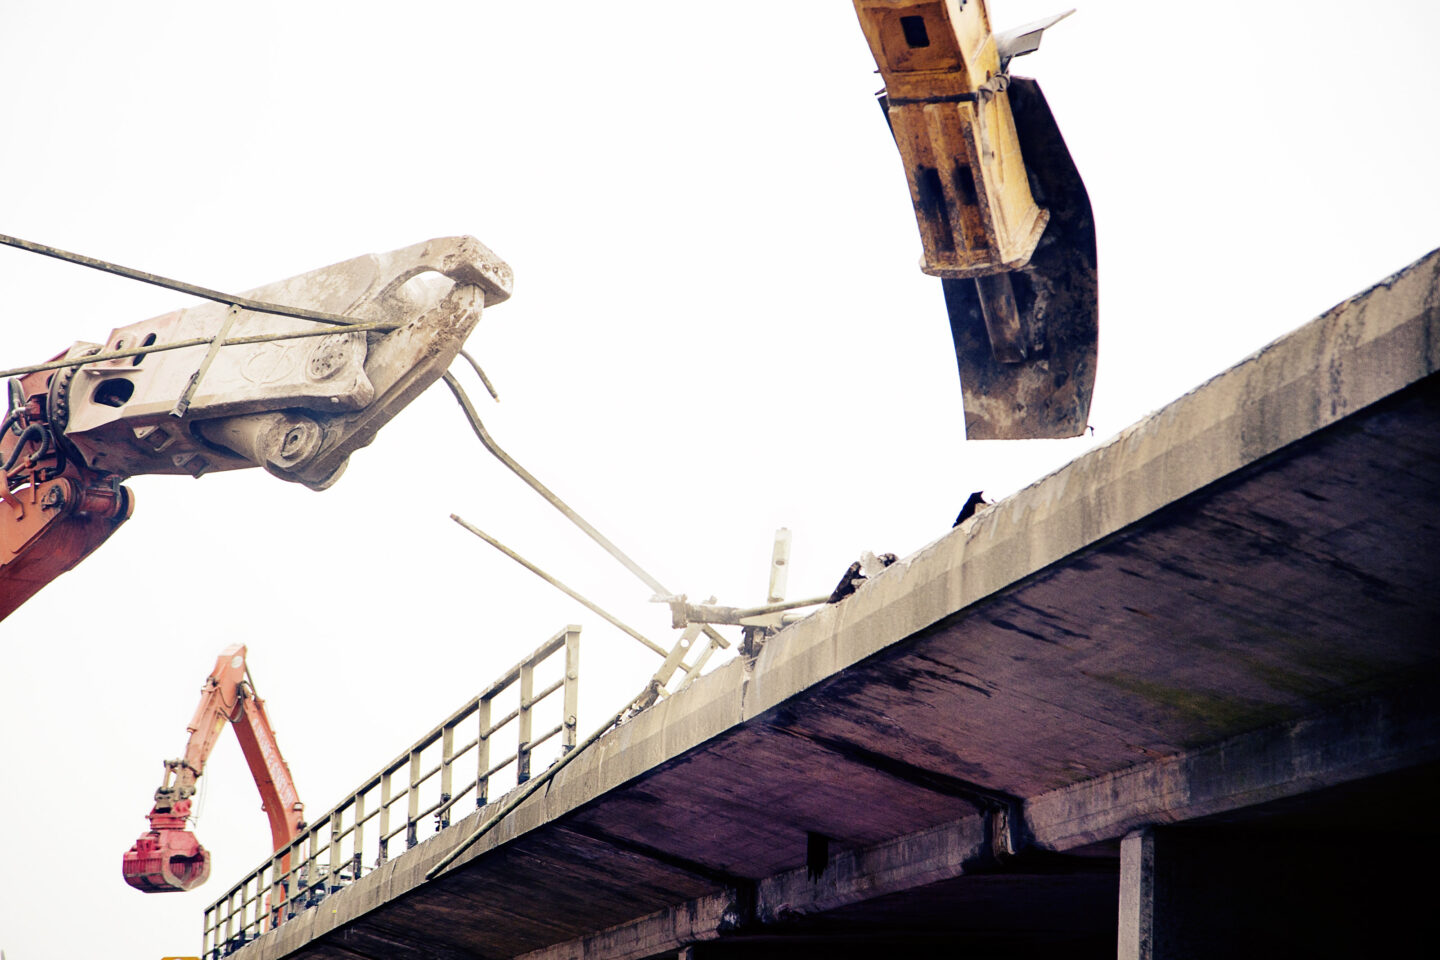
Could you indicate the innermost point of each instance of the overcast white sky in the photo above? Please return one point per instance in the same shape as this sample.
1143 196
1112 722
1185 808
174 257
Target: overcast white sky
718 328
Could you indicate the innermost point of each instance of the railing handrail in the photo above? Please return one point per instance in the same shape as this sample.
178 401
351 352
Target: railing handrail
489 693
313 854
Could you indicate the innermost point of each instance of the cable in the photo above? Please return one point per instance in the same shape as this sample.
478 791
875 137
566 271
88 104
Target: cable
258 306
383 326
37 429
205 293
481 373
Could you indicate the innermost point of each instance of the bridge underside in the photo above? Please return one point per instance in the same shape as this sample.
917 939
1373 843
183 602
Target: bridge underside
1177 699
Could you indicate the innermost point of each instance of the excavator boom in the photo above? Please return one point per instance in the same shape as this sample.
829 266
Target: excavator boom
272 777
168 857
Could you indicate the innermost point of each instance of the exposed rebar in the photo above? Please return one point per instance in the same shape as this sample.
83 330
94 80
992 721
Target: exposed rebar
489 443
481 374
594 607
782 605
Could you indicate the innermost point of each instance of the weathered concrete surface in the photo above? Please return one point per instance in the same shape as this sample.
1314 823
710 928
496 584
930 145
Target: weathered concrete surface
1226 611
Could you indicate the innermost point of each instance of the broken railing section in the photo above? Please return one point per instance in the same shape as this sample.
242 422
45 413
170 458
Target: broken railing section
699 639
756 623
413 796
675 656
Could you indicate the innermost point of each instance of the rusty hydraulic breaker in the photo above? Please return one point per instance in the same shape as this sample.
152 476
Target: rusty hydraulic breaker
1004 219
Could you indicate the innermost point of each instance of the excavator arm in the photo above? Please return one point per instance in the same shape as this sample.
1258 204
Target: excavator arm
54 510
168 857
217 387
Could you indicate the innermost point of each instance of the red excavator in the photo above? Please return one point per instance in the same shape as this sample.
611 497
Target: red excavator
168 858
292 377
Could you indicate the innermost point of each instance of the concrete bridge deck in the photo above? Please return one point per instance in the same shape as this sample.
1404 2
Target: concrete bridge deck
1147 703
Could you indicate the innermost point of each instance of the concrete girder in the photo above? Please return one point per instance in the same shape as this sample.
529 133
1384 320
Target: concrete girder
1353 742
1367 738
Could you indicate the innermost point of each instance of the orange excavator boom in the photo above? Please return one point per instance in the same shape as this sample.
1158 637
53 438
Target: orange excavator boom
168 857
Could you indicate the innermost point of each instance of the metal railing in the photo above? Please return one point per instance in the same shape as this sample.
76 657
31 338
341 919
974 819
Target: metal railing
335 849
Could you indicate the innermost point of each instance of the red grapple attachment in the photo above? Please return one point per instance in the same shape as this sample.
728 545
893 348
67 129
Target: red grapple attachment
168 858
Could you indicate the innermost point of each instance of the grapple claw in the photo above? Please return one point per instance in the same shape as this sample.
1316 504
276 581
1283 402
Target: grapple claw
168 858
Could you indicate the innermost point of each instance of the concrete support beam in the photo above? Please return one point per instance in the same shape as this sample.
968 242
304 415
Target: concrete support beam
922 858
849 877
1137 897
1347 743
670 930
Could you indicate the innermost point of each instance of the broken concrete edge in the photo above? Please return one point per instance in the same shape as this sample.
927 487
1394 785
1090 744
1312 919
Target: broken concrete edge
1359 352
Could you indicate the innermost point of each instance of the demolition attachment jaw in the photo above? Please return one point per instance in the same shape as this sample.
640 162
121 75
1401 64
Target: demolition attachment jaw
297 407
168 858
293 377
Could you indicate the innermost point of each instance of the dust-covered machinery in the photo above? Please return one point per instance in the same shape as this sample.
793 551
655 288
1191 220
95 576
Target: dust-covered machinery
217 387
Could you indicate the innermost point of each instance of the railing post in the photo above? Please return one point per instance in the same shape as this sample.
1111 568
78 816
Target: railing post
333 883
384 816
285 867
357 844
277 893
412 806
447 754
482 756
527 690
312 865
572 687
